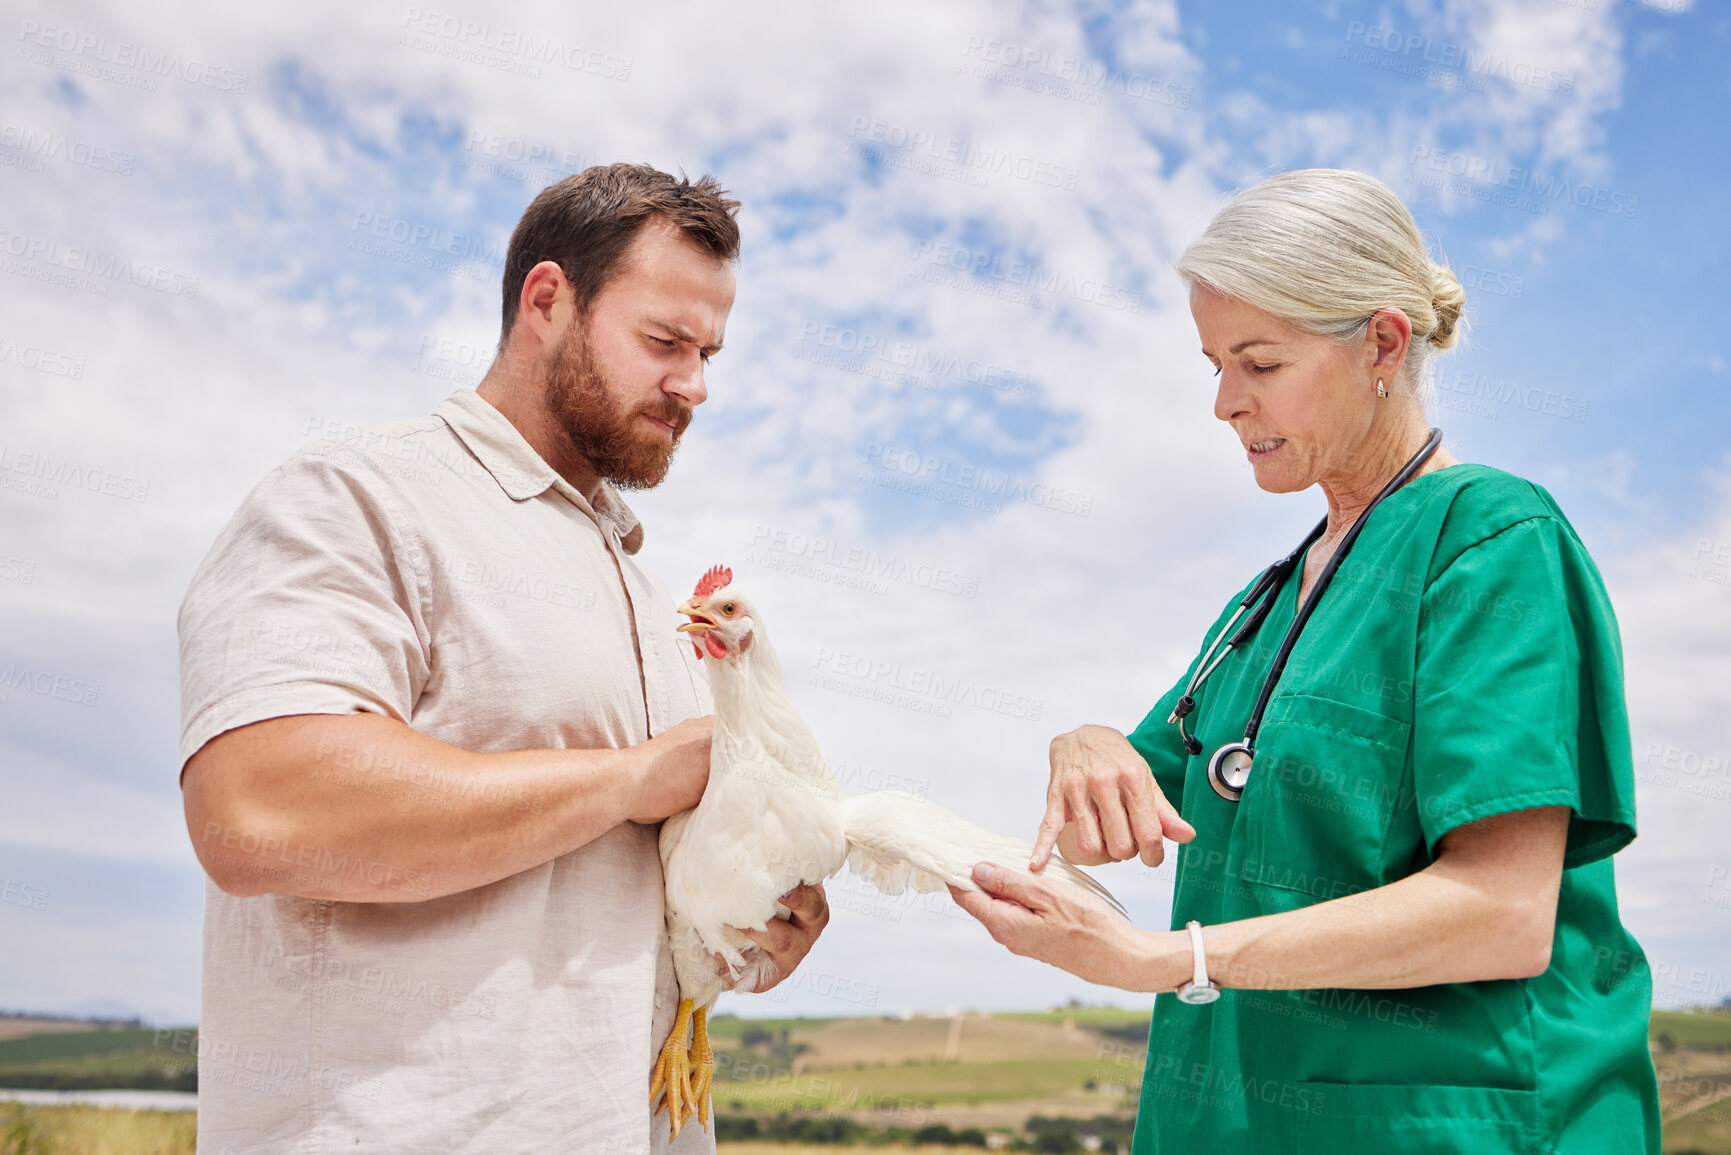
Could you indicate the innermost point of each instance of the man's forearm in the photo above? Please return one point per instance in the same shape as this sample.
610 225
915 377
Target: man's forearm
362 808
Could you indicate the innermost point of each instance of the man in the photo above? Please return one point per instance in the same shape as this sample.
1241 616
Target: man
433 712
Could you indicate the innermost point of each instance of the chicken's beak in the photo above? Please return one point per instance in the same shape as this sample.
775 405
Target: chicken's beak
701 625
699 620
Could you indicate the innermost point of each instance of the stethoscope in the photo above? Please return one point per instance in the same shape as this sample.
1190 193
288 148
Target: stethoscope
1229 768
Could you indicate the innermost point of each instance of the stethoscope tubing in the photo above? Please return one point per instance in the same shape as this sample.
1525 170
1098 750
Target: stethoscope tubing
1229 767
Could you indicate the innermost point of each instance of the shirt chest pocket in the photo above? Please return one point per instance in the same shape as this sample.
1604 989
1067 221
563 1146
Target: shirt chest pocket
1326 786
537 644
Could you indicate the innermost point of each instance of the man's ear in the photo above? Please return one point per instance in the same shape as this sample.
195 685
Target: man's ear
544 304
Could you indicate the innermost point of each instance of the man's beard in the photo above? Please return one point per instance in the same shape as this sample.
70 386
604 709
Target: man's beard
601 429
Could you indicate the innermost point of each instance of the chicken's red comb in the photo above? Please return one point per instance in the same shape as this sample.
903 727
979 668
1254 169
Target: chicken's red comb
717 577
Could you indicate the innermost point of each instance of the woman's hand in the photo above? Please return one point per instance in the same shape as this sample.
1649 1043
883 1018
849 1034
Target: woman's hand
1058 924
1104 803
1486 909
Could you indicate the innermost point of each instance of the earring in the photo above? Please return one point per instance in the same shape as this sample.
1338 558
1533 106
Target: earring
1380 391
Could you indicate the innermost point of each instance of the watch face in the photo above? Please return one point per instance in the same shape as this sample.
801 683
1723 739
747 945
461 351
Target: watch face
1197 996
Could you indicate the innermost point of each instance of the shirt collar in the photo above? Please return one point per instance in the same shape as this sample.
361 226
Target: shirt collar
520 471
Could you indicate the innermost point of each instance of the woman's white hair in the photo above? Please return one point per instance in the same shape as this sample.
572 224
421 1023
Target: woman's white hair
1323 249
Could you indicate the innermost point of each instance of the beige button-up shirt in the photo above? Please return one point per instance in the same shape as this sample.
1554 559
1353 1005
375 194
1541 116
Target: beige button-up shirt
436 571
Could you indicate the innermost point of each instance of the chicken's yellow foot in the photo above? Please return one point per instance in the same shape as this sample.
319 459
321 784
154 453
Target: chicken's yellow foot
702 1066
672 1072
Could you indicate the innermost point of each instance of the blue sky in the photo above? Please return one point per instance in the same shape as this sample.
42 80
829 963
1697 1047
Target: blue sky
305 209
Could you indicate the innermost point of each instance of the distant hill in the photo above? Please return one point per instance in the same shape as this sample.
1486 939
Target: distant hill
20 1024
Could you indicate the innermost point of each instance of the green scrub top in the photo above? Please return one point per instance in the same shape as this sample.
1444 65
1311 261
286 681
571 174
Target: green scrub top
1463 662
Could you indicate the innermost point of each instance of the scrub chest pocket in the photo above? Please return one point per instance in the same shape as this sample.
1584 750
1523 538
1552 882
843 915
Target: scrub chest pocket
1329 789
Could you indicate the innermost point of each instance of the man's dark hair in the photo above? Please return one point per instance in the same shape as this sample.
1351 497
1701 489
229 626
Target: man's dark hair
586 221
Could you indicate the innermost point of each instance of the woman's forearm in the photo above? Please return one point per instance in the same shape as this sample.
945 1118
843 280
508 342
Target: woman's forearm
1486 909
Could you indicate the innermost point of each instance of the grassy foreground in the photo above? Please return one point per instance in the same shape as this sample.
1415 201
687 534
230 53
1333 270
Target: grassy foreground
76 1130
134 1136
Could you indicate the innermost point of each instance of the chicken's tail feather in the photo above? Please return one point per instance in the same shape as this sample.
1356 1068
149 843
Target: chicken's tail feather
896 841
758 973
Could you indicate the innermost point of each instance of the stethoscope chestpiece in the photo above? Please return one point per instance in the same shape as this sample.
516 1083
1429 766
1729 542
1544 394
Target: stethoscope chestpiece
1229 769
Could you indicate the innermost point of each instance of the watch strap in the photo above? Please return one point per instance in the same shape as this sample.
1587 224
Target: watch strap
1197 990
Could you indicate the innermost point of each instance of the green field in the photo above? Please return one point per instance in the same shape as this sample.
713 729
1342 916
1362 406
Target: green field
96 1060
64 1044
1094 1018
1701 1029
897 1075
910 1086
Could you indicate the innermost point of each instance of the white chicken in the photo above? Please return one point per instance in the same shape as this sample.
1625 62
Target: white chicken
772 818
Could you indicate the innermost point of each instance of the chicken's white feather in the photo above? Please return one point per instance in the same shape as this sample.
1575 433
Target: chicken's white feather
769 820
897 841
772 818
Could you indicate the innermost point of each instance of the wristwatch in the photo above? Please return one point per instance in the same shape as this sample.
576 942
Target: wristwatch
1197 991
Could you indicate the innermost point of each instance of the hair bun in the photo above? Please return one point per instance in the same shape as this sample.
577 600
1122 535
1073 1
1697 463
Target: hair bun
1449 300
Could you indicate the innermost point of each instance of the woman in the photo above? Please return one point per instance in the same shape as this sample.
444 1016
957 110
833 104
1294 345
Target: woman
1399 888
